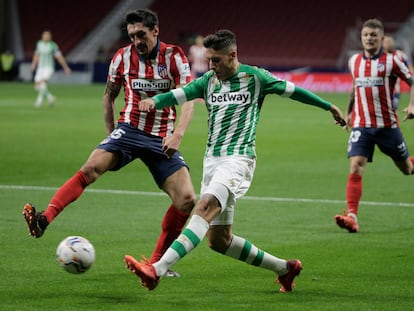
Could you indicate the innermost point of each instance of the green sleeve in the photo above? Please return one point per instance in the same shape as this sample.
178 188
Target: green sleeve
165 100
309 98
194 89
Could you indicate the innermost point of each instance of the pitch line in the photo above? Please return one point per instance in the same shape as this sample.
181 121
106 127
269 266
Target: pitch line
251 198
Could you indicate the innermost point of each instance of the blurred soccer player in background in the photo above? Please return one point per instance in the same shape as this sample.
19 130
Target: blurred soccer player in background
389 46
144 68
372 116
197 57
233 93
43 63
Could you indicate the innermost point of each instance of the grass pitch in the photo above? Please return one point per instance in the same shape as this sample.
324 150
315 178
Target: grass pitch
299 186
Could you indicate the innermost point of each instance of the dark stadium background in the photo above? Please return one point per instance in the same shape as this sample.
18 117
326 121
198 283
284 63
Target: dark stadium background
283 36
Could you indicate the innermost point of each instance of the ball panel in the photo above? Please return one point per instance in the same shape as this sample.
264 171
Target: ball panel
75 254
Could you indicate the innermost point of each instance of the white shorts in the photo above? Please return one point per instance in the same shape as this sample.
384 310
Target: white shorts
43 74
227 178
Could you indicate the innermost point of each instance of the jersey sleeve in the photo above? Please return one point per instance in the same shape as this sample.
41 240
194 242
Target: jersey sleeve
180 68
37 49
194 89
55 50
401 69
284 88
115 68
309 98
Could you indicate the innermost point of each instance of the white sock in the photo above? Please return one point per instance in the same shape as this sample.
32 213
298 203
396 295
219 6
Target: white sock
243 250
42 91
191 236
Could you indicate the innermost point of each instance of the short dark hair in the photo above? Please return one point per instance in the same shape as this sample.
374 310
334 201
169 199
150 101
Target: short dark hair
374 24
221 39
145 16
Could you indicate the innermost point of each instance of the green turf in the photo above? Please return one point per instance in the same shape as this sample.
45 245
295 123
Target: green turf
299 186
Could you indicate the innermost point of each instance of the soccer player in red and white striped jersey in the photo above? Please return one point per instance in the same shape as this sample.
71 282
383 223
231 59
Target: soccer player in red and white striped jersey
389 46
372 116
143 68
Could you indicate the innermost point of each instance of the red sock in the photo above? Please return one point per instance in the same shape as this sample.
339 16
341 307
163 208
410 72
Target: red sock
172 225
69 192
353 192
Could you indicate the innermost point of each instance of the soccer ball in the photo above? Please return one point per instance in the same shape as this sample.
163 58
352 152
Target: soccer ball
75 254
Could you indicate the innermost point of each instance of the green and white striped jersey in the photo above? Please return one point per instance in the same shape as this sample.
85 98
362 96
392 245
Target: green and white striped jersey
47 50
234 105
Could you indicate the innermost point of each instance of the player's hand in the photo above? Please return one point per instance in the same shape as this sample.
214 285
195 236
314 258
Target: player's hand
146 104
348 121
337 115
409 113
171 144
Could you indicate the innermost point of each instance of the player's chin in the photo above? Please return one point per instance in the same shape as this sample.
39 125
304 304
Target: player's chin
142 52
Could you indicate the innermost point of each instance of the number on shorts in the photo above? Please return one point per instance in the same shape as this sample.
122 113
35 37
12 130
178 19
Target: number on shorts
354 136
117 133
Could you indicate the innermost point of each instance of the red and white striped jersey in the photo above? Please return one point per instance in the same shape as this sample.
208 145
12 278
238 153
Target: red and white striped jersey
165 69
404 58
374 80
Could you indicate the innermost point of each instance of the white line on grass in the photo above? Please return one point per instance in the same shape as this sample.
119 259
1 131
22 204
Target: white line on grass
271 199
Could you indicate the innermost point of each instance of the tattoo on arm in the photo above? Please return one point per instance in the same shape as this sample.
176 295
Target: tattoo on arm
112 89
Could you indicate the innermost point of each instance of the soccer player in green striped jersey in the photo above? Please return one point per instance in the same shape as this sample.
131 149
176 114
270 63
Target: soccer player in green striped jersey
233 93
44 63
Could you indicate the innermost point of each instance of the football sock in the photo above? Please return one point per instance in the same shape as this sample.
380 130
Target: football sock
42 89
353 193
191 236
69 192
243 250
172 225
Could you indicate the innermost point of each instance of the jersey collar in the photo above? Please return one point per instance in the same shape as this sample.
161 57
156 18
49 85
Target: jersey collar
375 56
153 54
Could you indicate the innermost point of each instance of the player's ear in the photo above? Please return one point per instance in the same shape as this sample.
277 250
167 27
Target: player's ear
156 30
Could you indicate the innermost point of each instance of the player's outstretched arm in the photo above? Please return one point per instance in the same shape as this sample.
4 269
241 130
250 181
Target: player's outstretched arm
310 98
337 115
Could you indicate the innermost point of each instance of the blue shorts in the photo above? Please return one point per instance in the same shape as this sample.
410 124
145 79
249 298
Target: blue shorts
132 143
390 141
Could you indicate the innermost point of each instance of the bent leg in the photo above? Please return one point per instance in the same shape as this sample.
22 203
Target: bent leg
180 189
99 162
223 241
207 208
406 167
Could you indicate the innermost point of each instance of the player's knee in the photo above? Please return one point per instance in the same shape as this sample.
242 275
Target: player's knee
91 172
219 245
186 203
219 238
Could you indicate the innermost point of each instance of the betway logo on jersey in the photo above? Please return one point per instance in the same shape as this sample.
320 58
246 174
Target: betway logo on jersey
150 85
369 81
230 98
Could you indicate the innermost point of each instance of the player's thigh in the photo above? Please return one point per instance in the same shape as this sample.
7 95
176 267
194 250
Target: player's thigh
43 74
99 162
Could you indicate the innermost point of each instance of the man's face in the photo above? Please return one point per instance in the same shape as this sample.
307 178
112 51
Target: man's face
46 36
371 39
221 62
144 39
